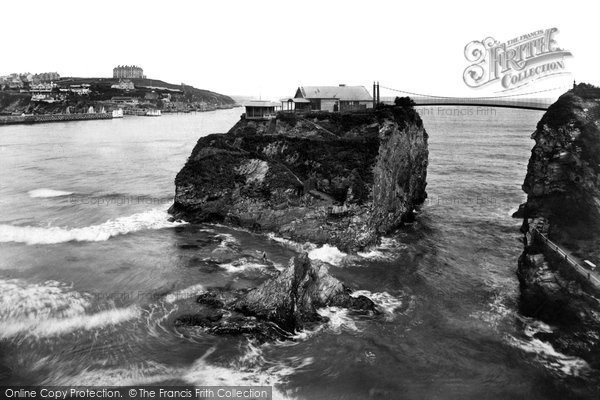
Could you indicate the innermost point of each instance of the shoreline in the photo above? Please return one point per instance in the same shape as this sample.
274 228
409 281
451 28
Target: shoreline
49 118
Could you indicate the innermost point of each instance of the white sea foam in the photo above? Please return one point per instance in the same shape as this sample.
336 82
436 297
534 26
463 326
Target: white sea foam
186 293
48 300
44 193
251 369
241 265
329 254
551 358
544 351
290 244
227 240
384 251
338 319
533 326
147 374
153 219
383 300
59 326
326 253
496 313
50 309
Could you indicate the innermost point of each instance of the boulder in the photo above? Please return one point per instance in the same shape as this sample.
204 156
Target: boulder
280 306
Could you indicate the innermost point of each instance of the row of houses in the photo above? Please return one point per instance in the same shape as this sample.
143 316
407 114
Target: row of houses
20 80
314 98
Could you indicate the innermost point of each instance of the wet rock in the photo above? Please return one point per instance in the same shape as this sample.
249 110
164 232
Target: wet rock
280 306
342 179
292 298
563 203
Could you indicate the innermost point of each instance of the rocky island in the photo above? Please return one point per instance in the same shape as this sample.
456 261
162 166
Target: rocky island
561 224
337 178
343 179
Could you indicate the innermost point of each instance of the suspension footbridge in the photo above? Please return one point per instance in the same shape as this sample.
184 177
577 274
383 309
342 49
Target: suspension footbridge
535 100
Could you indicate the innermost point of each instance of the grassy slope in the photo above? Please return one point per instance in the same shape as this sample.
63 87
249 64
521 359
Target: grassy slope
191 93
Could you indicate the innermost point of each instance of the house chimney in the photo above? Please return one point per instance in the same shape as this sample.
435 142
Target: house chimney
374 96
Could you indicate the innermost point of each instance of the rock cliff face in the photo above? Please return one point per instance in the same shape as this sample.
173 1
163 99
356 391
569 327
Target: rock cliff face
563 203
338 178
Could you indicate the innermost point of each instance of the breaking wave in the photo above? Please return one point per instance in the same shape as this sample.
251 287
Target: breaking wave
387 249
50 309
250 369
153 219
326 253
186 293
550 358
44 193
241 265
387 303
329 254
545 352
338 319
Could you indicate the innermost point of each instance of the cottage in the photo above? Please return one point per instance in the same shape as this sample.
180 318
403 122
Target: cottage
124 84
334 98
261 109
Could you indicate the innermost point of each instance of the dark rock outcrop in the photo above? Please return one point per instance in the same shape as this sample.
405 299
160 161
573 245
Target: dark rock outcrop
280 306
337 178
563 204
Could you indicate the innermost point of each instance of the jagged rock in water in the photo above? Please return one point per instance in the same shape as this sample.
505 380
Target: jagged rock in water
278 307
337 178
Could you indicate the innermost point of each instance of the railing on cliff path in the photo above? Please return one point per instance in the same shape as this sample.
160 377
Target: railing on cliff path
584 272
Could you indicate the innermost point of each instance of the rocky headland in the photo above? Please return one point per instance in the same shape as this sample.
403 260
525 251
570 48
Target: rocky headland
563 206
343 179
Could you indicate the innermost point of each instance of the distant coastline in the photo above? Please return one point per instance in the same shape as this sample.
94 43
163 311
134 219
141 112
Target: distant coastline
68 96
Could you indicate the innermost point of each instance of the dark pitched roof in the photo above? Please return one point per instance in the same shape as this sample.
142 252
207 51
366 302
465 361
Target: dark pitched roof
349 93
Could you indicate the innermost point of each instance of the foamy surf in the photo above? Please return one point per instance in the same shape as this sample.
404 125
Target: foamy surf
55 326
250 369
497 312
387 303
290 244
338 319
45 193
186 293
550 358
153 219
51 309
545 352
329 254
242 265
386 250
326 253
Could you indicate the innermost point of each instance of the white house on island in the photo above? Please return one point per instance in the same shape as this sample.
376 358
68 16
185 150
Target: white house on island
331 98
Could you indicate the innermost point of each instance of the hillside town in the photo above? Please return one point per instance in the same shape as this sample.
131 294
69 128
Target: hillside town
128 89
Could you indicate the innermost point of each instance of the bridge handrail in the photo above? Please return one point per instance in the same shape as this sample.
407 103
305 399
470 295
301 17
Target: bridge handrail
475 98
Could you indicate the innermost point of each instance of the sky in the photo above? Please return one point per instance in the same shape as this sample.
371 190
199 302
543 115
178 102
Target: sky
267 48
